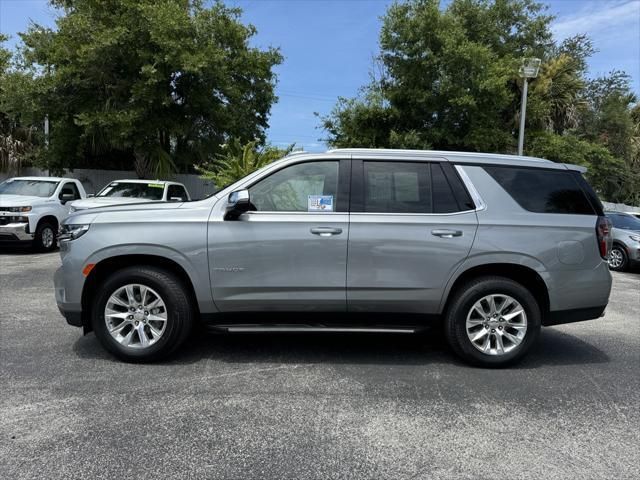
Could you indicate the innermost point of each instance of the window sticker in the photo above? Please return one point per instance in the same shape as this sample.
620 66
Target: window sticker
155 185
320 203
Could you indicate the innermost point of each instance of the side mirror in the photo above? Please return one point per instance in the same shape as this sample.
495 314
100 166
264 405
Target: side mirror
66 197
237 204
176 199
91 195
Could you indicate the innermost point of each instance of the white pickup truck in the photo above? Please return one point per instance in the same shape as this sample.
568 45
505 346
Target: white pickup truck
120 192
31 208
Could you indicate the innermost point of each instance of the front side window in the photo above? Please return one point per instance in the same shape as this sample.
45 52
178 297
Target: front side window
304 187
35 188
71 188
542 191
149 191
176 193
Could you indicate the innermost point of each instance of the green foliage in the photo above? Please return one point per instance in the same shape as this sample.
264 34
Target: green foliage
238 160
160 84
450 82
18 137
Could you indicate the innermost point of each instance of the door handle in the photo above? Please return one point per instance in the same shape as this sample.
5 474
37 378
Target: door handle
447 233
326 231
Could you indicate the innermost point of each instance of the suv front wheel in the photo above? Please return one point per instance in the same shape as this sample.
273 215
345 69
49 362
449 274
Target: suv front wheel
142 314
492 321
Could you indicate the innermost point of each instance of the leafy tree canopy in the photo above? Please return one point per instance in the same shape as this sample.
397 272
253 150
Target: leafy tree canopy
237 161
449 80
157 83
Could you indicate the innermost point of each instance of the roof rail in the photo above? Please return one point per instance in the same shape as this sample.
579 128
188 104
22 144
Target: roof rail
426 153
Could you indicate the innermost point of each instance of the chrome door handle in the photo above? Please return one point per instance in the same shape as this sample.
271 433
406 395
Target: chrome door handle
447 233
326 231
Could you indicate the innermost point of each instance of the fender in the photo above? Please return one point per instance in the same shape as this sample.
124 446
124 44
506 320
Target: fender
509 258
198 277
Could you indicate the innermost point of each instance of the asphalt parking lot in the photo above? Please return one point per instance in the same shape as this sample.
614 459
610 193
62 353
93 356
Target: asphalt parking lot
303 406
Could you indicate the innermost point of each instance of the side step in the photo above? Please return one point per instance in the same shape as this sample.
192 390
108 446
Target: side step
310 329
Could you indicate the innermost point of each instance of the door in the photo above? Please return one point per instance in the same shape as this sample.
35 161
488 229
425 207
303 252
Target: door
412 224
290 252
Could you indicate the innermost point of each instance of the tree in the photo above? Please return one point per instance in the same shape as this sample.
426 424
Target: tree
18 137
450 82
157 83
238 160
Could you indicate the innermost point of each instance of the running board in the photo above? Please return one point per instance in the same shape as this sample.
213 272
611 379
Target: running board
309 329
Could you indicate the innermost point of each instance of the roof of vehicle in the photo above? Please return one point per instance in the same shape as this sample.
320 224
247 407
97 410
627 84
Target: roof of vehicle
458 157
50 179
138 180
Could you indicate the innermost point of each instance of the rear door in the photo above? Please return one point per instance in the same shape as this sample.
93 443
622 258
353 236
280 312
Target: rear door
411 225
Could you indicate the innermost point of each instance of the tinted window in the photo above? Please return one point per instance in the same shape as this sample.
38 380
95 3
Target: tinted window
443 199
542 191
626 222
397 187
290 189
176 192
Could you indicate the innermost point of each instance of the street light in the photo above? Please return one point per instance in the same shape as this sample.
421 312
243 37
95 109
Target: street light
529 69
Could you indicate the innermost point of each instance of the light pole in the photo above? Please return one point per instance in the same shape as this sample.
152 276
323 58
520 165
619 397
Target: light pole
529 69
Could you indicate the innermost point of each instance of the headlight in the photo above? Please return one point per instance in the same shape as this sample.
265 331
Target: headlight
19 209
635 238
72 232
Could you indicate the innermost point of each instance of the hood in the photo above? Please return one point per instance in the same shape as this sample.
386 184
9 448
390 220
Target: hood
131 207
20 200
96 202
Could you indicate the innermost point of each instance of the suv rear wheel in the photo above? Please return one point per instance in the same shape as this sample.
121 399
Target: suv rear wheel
142 314
492 321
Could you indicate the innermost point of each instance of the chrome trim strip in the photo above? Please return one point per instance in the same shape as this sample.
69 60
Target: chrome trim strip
284 329
477 199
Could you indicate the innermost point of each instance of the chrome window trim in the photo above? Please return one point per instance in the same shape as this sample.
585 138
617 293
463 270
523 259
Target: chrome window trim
475 196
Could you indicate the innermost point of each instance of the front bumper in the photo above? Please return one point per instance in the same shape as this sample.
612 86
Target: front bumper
71 311
15 232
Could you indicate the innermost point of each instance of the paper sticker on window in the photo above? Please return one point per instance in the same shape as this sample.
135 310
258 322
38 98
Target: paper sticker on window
155 185
320 203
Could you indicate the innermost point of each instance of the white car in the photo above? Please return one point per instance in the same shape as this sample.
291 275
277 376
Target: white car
121 192
32 208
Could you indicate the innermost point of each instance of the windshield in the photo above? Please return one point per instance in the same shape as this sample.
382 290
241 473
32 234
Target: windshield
149 191
626 222
33 188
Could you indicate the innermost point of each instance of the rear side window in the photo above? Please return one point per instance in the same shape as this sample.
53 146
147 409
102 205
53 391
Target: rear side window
409 187
395 187
542 191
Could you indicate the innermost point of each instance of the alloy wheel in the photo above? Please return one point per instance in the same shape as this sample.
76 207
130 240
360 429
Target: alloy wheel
496 324
616 258
135 316
47 237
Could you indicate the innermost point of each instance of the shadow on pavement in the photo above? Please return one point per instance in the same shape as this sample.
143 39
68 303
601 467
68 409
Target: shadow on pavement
553 348
20 249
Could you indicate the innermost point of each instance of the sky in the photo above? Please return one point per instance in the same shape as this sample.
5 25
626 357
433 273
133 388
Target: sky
328 47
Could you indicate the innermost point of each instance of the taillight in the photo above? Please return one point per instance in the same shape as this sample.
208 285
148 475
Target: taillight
603 232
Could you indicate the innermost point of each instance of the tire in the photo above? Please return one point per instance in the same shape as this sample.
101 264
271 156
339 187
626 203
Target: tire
46 237
463 321
618 259
177 312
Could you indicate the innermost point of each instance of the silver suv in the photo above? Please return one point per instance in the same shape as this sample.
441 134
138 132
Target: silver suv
625 252
349 240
